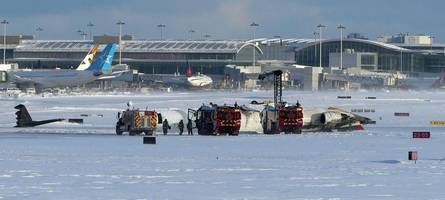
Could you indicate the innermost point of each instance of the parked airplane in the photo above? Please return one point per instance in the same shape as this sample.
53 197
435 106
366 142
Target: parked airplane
41 79
25 120
199 80
88 60
5 69
190 80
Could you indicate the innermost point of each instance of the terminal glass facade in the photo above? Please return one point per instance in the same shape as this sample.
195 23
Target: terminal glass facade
389 59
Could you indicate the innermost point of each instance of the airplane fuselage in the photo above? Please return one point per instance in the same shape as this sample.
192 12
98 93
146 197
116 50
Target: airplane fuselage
181 80
314 120
54 78
199 80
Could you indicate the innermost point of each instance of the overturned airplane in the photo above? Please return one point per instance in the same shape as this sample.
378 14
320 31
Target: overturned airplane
331 119
25 120
314 120
294 118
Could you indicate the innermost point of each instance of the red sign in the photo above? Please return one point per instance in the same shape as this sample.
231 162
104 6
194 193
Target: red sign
421 134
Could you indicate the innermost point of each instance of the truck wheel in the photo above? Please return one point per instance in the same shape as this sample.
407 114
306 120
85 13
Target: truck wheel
271 132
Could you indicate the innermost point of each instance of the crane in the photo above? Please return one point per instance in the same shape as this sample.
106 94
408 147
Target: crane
282 118
277 86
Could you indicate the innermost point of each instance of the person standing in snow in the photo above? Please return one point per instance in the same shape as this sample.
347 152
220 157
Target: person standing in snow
189 127
181 127
165 126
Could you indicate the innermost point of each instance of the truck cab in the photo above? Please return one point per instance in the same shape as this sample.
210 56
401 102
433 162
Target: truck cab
285 118
217 120
136 122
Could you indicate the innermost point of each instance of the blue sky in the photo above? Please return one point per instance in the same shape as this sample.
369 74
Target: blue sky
223 19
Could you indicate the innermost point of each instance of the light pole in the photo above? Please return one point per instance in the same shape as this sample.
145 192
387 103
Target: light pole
38 29
84 35
320 27
401 53
341 28
161 26
315 46
253 25
90 27
401 60
80 33
431 43
191 31
120 23
4 22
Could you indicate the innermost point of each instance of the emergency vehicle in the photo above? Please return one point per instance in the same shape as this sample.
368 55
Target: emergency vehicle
287 119
135 122
217 120
280 117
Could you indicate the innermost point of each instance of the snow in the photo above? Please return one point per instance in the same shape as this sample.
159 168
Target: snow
71 161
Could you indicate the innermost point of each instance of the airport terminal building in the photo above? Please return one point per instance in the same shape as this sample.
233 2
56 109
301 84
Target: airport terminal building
158 57
212 56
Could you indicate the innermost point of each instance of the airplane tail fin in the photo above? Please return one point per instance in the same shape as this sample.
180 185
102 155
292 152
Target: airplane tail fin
104 60
189 72
23 116
88 60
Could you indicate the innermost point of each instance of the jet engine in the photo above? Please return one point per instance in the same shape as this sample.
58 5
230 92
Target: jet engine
330 117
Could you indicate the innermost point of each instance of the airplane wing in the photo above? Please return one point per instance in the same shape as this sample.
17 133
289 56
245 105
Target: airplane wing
363 120
113 75
22 79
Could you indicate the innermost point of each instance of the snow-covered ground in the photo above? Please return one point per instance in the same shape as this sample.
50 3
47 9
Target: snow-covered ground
68 161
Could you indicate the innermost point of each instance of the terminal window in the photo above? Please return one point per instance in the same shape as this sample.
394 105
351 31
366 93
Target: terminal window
3 77
368 59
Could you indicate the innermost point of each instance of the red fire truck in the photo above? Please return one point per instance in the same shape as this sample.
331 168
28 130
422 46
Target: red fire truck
280 117
216 120
287 119
290 119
